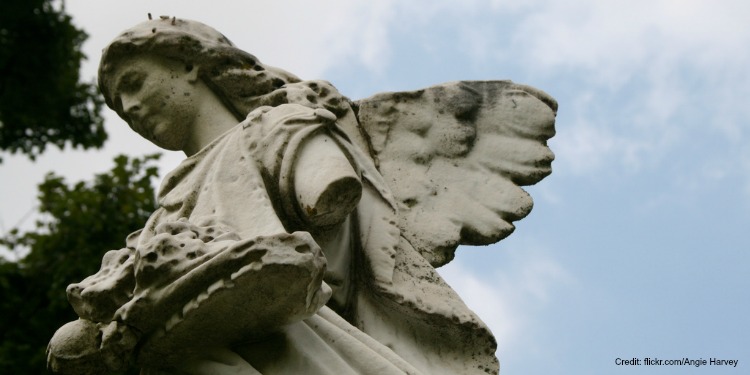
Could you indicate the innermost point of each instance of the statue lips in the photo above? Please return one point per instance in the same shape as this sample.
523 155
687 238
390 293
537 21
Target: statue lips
143 125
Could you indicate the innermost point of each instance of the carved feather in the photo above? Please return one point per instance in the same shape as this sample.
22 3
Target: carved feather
455 156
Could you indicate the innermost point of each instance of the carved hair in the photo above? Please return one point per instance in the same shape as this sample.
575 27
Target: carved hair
237 77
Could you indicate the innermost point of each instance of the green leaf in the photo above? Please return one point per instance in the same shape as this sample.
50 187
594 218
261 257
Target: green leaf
80 223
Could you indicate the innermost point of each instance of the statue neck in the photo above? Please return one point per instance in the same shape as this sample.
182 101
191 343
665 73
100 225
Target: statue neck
213 120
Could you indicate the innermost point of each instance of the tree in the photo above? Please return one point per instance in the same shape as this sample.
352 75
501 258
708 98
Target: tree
41 99
82 222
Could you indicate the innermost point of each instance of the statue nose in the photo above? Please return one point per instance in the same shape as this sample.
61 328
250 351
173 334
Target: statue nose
130 105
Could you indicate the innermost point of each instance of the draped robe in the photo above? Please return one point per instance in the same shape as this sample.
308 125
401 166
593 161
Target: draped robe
390 312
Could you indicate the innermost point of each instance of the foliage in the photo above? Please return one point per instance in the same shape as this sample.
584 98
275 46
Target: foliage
82 222
41 99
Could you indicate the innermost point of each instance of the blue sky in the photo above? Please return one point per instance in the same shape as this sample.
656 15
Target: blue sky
637 244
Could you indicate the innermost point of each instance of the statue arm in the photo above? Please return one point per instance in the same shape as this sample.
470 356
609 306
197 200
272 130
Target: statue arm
302 150
326 185
183 284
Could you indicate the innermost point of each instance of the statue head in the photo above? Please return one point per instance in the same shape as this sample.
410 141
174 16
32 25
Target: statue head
237 78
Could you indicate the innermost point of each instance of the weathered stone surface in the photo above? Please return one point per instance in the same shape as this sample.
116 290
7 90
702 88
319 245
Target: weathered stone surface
454 156
301 233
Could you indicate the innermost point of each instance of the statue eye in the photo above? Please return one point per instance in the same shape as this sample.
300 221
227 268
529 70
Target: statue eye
131 82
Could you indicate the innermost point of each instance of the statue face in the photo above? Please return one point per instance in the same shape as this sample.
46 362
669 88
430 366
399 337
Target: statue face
158 98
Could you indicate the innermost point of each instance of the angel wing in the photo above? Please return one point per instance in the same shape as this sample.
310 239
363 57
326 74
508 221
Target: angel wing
455 156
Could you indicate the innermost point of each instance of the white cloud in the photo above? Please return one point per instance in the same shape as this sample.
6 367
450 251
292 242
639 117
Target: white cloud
303 37
491 302
617 38
508 298
744 163
665 60
584 148
372 39
588 141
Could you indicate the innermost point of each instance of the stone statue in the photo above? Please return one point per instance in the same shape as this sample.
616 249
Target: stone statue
302 232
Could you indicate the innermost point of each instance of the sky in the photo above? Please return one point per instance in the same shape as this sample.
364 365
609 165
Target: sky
636 246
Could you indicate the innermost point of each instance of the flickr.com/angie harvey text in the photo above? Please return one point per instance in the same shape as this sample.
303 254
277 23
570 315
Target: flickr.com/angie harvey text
647 361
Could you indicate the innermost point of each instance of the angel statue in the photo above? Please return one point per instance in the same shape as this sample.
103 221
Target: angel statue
302 232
